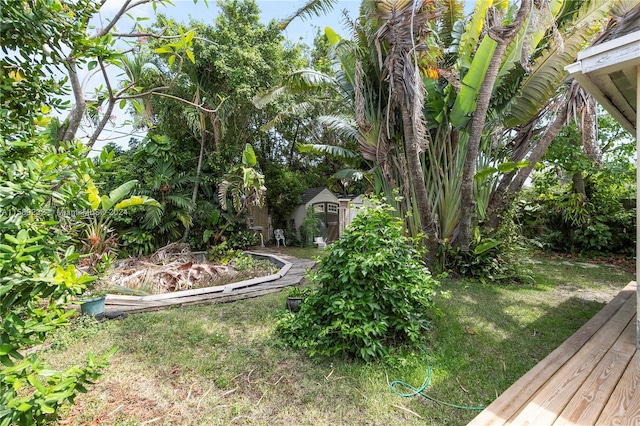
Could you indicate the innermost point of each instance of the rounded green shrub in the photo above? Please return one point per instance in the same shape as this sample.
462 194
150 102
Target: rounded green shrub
373 293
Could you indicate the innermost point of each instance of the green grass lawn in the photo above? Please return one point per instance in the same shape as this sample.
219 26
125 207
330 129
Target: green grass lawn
221 364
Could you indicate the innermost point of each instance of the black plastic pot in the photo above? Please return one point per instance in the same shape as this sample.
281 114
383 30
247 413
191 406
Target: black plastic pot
293 303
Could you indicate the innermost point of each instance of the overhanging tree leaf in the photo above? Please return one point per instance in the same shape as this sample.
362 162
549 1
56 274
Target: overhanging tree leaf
466 100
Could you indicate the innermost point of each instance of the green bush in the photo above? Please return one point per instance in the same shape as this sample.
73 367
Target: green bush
374 293
310 228
42 196
501 258
563 221
596 216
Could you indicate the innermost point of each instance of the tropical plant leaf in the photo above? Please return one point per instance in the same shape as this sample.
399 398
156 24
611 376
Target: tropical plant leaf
308 10
152 218
300 109
249 156
137 200
332 36
263 98
548 70
93 194
179 200
485 247
465 102
472 32
223 189
453 11
308 78
118 194
350 174
331 150
340 124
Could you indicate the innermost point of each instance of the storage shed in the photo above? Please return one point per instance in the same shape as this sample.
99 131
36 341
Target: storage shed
326 205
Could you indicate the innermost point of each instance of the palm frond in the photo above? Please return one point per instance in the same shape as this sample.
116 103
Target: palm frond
179 200
452 12
339 124
223 190
300 109
308 78
331 150
308 10
350 174
263 98
548 70
152 217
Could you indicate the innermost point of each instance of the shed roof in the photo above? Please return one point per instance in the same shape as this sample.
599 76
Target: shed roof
310 194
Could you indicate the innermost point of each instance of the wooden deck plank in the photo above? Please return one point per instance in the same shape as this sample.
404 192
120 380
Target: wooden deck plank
515 397
589 401
550 400
623 407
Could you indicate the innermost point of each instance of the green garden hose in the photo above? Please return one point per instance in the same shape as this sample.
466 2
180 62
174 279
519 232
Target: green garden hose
420 391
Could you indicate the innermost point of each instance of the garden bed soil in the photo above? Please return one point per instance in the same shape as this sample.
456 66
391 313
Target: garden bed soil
165 272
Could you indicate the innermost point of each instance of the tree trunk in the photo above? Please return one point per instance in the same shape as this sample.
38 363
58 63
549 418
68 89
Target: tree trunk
578 184
72 123
540 149
503 36
419 187
512 182
194 194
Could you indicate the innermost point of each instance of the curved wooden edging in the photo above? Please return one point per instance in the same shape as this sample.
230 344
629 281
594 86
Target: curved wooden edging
224 293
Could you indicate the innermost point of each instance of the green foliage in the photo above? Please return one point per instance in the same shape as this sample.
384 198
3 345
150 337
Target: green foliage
530 70
138 242
284 190
222 253
564 221
601 219
43 195
33 393
374 293
242 239
501 258
29 88
310 227
243 184
243 262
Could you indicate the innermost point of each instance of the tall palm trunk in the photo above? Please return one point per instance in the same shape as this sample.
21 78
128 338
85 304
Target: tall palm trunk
406 31
503 37
419 186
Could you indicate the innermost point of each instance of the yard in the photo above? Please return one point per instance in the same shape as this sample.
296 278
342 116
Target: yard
222 364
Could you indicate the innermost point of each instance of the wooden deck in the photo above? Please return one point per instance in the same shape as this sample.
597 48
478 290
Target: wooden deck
593 378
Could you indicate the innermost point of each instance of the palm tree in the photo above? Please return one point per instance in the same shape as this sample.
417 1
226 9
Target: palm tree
472 121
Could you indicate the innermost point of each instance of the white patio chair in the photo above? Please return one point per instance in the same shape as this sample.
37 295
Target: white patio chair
279 235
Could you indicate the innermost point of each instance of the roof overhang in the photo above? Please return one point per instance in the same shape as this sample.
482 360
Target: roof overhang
608 71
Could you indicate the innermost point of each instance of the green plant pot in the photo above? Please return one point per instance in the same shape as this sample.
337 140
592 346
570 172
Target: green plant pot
93 306
293 303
